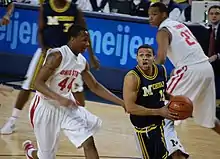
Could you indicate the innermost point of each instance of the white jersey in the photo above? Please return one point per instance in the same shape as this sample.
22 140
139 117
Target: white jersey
184 49
64 77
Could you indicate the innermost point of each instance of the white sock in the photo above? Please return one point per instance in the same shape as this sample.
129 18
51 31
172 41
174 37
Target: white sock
16 112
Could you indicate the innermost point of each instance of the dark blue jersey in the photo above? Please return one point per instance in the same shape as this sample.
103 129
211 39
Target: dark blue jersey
151 94
57 22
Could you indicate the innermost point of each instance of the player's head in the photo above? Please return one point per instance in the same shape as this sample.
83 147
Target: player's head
145 57
214 14
78 38
157 12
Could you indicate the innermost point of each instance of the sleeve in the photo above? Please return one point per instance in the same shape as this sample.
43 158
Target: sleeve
7 2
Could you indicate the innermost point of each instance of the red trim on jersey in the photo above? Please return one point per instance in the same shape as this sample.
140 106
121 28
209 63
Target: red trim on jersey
176 79
33 108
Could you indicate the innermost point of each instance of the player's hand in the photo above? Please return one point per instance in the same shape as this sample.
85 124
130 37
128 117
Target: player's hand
213 58
5 20
95 62
164 112
67 102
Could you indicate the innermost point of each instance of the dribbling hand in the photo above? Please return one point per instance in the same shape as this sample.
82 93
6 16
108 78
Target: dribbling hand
166 113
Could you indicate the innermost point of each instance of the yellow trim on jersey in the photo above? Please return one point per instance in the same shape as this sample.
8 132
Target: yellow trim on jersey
59 10
138 78
41 1
37 69
165 71
149 77
142 145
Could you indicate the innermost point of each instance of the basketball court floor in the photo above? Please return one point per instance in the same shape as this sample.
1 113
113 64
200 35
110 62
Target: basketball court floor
114 141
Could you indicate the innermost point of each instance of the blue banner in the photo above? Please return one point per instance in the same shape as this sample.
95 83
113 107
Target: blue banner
114 42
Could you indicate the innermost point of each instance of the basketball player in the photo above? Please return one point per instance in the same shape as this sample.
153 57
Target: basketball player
144 94
54 107
10 8
193 75
56 16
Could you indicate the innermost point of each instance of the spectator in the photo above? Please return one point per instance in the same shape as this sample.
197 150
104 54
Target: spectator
121 6
214 41
10 7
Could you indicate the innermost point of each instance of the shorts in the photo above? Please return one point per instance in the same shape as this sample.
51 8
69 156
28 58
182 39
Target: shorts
197 82
172 141
150 142
78 124
33 69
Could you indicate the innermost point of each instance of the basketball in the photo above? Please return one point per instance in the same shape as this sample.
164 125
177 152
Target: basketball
181 105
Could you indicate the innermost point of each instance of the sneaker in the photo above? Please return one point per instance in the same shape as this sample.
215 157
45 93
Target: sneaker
9 127
27 145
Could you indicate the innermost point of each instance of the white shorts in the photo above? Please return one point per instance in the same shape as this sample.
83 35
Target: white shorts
172 141
48 120
33 69
197 83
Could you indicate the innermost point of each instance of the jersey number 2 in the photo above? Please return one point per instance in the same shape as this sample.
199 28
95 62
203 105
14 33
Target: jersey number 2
64 84
190 40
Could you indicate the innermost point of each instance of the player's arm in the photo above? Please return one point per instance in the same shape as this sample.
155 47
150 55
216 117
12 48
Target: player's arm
52 62
10 8
99 89
41 27
94 60
163 41
130 90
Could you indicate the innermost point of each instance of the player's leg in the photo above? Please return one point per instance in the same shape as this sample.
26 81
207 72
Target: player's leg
79 126
204 111
45 119
174 146
77 90
24 94
178 84
151 142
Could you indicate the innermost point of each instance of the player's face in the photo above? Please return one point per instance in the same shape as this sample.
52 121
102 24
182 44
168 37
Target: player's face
145 58
155 16
214 15
81 42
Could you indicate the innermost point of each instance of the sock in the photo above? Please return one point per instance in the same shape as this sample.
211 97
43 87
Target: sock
16 112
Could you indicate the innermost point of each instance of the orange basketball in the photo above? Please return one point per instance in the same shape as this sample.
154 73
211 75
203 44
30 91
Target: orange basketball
181 105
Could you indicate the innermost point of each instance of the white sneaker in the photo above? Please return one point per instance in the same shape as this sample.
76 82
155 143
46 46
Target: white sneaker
9 127
27 145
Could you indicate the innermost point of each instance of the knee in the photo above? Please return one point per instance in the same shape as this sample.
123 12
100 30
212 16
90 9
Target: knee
89 143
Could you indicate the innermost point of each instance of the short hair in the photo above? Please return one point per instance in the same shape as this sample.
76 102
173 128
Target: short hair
75 30
214 7
162 7
145 46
